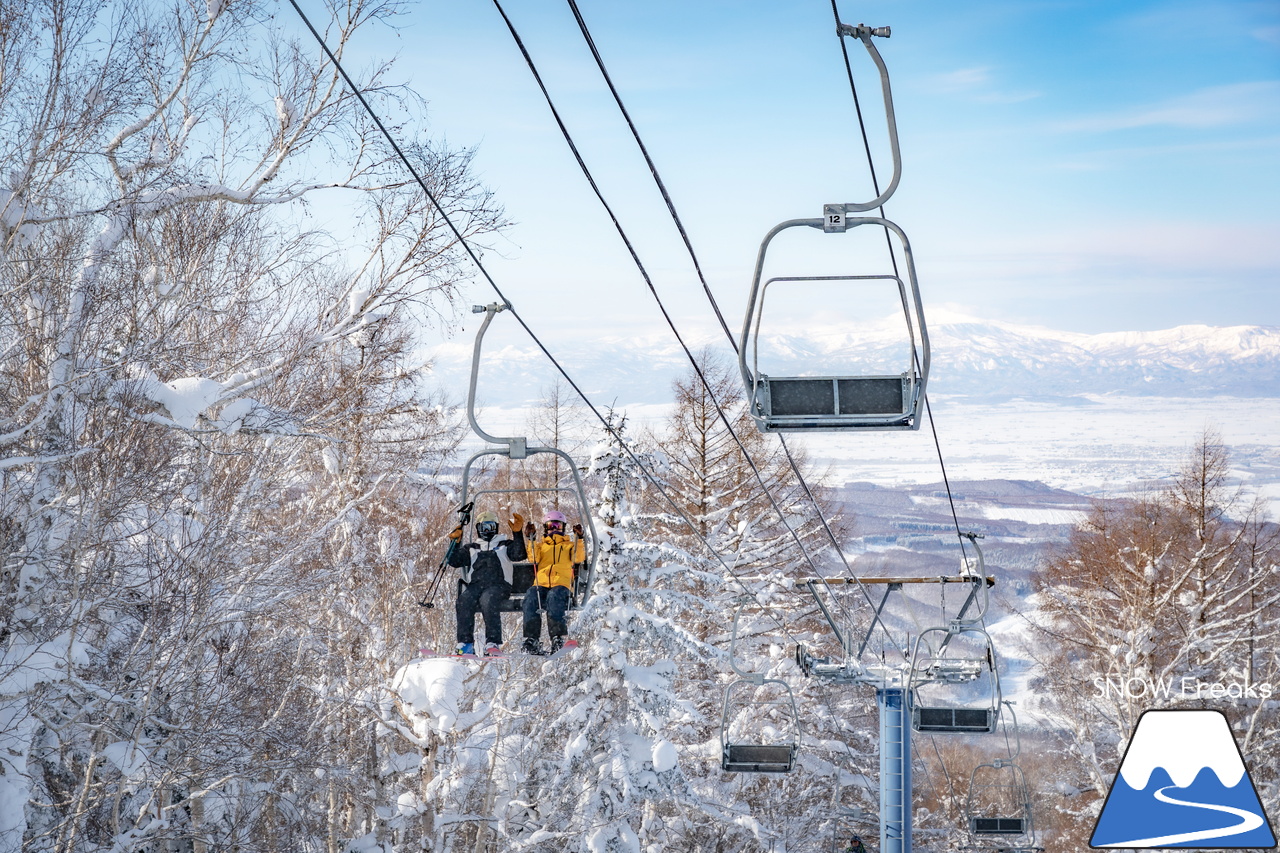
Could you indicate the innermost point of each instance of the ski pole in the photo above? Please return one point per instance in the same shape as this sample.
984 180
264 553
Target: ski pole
428 599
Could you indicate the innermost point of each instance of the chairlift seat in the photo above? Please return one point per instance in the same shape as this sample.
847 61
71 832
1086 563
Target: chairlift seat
946 720
998 825
797 403
759 758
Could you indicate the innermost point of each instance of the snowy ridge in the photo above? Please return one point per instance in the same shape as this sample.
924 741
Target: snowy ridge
983 358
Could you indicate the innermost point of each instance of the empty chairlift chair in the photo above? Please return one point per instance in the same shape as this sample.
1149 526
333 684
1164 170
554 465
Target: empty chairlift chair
971 669
822 401
998 807
759 732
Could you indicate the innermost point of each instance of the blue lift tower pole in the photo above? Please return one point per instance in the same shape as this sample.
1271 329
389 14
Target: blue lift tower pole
895 769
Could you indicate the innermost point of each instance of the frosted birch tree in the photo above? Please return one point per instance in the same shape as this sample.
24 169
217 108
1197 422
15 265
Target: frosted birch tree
210 422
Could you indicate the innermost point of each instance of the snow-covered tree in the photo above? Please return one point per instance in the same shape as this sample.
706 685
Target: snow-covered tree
1152 603
716 486
210 422
616 746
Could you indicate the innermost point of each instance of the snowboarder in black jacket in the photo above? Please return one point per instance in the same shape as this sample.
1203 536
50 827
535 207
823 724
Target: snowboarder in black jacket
484 579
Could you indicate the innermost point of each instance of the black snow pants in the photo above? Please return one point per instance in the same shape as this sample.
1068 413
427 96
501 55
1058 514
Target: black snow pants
486 594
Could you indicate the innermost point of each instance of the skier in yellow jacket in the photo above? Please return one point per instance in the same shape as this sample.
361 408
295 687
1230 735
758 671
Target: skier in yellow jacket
553 557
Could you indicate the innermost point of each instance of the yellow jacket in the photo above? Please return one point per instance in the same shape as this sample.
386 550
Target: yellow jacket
553 558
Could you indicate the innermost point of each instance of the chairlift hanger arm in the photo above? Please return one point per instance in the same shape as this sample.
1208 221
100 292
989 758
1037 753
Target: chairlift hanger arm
864 33
517 445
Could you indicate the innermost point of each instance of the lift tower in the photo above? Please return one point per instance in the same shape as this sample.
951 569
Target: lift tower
898 684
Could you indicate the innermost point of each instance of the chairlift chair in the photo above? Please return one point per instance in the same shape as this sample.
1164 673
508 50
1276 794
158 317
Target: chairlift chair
761 754
998 807
517 448
944 666
842 402
836 402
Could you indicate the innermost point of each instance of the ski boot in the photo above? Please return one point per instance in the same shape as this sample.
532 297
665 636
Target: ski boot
465 650
492 650
533 647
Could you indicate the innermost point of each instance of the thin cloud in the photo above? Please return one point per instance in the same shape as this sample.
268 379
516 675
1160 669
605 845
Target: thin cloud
979 83
1215 106
1008 97
961 80
1270 35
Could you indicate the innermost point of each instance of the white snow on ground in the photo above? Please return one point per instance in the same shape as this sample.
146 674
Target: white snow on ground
1008 635
1031 515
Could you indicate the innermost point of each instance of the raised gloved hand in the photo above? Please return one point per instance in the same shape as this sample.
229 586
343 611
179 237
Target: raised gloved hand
456 533
517 522
577 530
530 531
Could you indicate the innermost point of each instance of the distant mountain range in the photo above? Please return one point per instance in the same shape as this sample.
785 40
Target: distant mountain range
982 358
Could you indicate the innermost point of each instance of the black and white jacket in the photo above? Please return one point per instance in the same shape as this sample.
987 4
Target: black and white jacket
499 552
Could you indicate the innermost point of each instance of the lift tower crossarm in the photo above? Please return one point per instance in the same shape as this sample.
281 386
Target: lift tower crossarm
803 583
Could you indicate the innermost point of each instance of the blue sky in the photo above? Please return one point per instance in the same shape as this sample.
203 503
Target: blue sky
1091 166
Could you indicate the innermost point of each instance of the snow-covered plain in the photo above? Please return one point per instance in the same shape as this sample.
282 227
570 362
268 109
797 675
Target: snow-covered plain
1094 445
1097 445
1094 414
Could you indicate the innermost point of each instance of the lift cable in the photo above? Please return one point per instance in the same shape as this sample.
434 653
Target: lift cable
644 273
653 170
485 273
875 185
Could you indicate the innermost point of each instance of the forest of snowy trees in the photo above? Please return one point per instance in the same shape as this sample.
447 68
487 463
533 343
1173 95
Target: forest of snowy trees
225 484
